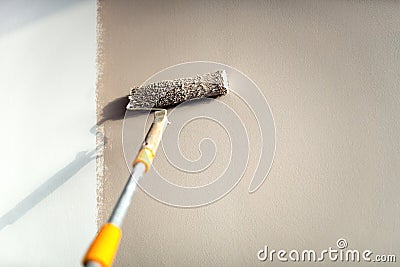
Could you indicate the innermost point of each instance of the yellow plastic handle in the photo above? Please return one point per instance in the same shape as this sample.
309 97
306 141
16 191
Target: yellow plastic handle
104 247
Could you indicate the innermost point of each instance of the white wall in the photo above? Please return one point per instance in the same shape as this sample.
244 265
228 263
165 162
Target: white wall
47 107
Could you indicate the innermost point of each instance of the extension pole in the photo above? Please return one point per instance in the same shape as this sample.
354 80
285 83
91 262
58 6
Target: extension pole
103 249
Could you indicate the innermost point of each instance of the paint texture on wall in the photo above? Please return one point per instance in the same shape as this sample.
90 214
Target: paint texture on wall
329 71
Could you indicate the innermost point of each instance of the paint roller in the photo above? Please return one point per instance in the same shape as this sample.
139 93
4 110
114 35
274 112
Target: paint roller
155 96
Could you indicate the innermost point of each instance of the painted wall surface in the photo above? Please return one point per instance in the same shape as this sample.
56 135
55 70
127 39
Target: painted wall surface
47 107
330 72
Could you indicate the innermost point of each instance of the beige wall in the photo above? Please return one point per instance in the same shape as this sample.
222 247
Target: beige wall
330 72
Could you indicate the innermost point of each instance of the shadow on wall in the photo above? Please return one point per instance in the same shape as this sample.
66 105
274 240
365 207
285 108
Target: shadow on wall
115 110
44 190
24 12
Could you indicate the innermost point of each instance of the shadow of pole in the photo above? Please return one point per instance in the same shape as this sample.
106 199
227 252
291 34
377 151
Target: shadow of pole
44 190
115 110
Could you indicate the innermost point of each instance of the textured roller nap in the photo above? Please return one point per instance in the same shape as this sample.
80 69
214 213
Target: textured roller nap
172 92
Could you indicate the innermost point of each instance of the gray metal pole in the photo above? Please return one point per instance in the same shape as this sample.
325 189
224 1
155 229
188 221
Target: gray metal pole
93 264
122 206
